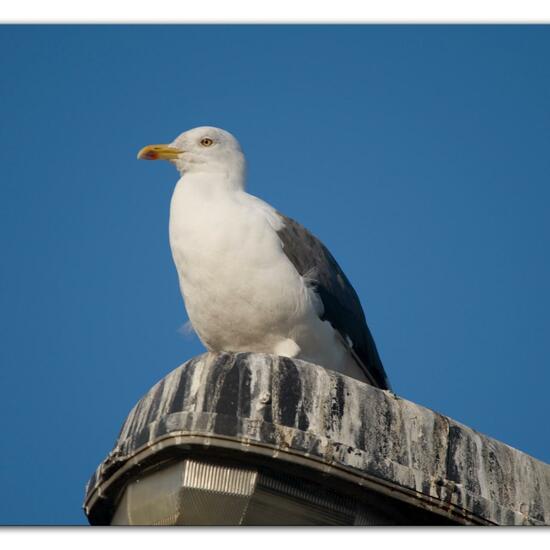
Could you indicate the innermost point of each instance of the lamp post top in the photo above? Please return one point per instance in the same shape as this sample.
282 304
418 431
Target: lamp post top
258 407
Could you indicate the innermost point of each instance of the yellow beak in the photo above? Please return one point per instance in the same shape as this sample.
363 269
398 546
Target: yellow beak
159 152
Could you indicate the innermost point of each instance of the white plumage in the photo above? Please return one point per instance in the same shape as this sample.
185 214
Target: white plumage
234 259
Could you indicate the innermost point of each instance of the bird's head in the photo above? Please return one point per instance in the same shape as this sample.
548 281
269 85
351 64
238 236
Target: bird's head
205 149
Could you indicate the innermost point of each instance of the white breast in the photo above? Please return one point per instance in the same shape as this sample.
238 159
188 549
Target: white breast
240 290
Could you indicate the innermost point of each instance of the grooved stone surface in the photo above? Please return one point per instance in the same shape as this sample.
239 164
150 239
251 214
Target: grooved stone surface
290 407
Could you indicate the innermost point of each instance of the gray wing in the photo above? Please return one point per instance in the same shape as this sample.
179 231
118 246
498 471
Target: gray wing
342 308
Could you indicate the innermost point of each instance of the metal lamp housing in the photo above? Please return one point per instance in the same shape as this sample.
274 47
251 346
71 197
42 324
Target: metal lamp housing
255 439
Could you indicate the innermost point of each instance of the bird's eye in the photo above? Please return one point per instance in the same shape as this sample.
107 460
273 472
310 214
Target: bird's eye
206 142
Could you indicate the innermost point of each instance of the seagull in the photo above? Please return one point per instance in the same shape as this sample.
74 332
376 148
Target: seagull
252 279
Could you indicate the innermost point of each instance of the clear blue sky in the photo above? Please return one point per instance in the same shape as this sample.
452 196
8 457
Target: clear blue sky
419 155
